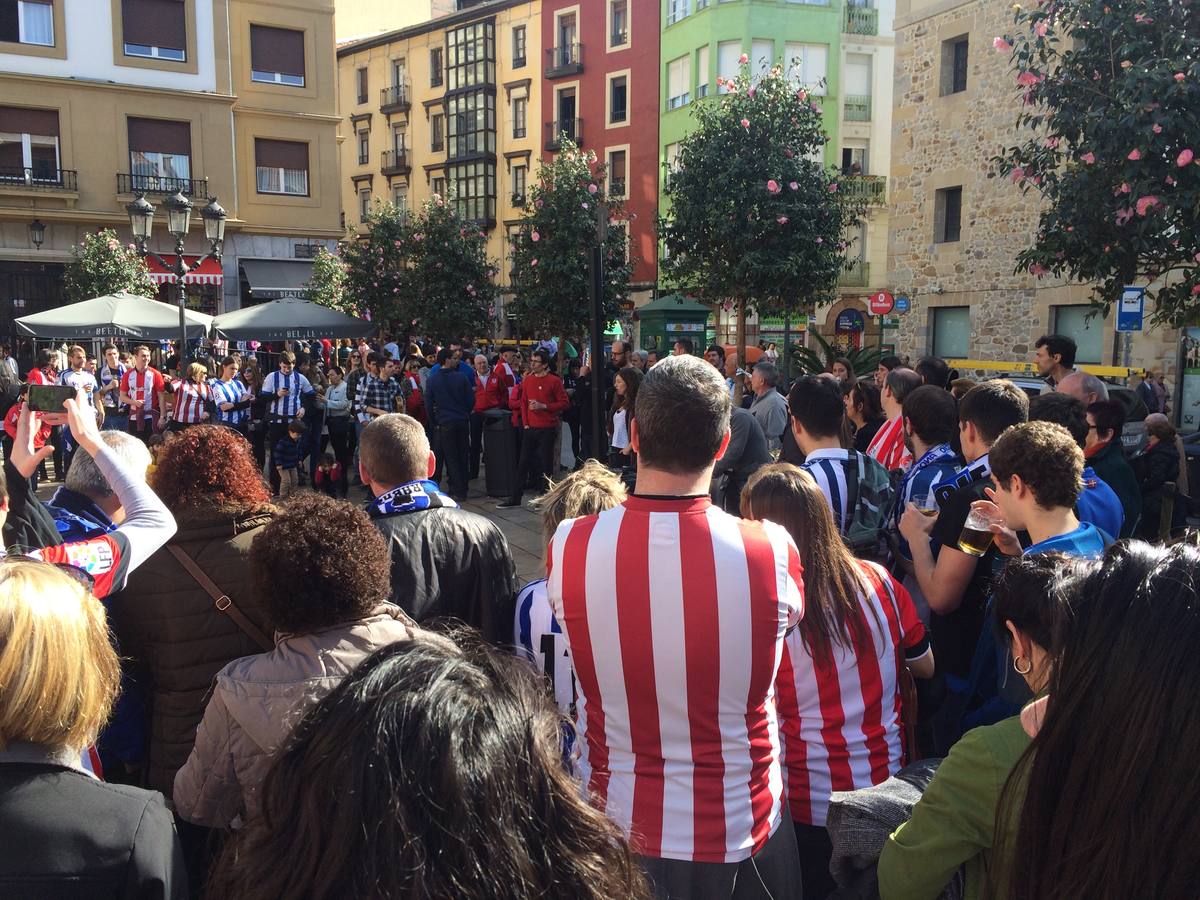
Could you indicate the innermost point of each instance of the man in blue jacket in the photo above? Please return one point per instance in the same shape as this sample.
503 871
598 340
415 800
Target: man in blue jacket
450 397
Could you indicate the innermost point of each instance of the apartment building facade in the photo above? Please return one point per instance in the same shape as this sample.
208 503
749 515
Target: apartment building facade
101 101
448 107
840 53
955 230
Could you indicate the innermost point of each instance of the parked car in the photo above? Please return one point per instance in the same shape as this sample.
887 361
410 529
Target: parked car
1133 435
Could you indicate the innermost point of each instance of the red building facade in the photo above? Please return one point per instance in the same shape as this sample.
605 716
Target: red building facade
600 88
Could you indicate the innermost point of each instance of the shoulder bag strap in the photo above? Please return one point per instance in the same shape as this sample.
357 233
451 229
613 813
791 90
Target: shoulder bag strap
221 600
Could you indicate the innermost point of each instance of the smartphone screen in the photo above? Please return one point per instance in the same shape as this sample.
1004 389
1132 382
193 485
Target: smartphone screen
49 397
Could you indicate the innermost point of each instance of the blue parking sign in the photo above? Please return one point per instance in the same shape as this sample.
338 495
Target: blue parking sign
1131 309
902 304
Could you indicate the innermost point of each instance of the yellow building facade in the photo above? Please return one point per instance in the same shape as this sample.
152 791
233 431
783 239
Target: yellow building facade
447 107
215 98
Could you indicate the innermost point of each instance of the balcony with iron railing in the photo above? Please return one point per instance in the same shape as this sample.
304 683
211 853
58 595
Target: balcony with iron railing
856 108
38 178
564 60
395 162
394 99
871 189
571 129
861 20
857 275
161 184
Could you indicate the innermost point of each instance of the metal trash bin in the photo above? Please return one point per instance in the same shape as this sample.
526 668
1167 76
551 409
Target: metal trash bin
499 454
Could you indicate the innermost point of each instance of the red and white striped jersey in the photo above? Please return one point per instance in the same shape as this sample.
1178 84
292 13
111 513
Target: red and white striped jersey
189 401
841 719
887 447
675 613
143 387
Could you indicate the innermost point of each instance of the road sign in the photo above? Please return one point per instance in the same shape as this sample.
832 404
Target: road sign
880 304
903 304
1131 309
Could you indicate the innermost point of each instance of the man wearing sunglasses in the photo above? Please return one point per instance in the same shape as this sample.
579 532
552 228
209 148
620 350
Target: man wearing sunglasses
106 558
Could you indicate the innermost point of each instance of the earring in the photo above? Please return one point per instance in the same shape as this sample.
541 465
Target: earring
1017 668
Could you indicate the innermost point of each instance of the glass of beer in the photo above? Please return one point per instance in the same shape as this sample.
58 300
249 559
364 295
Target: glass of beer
928 506
977 535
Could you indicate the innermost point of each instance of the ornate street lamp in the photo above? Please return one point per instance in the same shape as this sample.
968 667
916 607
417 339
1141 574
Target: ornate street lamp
179 220
37 233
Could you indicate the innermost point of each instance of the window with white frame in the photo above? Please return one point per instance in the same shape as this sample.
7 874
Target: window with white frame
156 29
728 67
364 147
364 203
679 79
702 72
807 66
520 116
618 174
439 186
677 9
28 145
281 167
671 160
618 99
277 55
27 22
762 57
618 23
519 177
400 196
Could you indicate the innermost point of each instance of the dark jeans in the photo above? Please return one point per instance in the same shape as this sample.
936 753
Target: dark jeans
453 446
141 428
476 444
340 433
816 849
276 432
772 873
537 458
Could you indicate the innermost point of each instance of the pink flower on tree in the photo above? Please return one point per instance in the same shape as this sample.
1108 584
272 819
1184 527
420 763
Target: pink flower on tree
833 188
746 124
1179 76
720 81
1017 174
794 185
1156 128
1185 157
1123 189
1142 18
1038 270
1028 79
592 189
1123 216
820 240
1001 45
1171 181
1145 204
535 237
773 186
533 262
1041 28
1088 157
1051 143
782 220
743 59
1134 155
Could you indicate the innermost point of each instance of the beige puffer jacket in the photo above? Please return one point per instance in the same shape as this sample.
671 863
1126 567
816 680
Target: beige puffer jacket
256 702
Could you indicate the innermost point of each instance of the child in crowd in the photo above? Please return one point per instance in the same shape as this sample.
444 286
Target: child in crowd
287 458
155 444
328 477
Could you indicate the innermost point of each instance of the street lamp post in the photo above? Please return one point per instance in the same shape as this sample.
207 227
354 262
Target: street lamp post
179 220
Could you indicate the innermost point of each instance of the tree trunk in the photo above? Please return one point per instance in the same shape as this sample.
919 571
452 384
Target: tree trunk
740 350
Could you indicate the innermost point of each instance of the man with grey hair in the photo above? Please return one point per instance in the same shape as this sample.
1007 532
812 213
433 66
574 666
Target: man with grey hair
675 613
447 563
769 407
639 359
86 505
1084 387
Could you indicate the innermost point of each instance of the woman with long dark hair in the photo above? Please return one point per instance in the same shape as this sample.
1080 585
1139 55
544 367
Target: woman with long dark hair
1107 790
863 410
625 389
954 825
859 628
431 773
252 377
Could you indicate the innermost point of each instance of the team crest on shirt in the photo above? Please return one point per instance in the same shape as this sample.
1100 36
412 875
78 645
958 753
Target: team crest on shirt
94 557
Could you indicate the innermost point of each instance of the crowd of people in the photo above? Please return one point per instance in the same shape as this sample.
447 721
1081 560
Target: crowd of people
764 610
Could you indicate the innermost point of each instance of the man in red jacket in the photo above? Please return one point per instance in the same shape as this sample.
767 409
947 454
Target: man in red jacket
539 405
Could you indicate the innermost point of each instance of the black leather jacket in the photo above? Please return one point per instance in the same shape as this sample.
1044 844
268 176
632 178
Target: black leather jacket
451 563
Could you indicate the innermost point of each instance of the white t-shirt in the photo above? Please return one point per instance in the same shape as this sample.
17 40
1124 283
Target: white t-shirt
620 436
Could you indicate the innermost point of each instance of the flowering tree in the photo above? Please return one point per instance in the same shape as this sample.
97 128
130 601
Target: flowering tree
1110 93
101 265
551 251
754 220
425 273
328 283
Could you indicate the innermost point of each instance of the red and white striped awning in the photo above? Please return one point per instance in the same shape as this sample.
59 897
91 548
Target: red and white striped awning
208 272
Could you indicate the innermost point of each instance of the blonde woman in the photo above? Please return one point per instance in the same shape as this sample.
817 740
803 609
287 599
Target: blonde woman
193 398
592 489
63 827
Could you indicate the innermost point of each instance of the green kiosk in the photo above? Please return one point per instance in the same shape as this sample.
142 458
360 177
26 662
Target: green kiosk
671 317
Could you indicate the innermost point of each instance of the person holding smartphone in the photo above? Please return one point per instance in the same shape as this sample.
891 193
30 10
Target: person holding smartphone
77 377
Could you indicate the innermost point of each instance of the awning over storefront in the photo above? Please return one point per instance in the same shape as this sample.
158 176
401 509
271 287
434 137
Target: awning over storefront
208 272
273 279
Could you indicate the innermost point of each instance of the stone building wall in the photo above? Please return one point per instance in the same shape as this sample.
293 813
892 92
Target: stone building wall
946 141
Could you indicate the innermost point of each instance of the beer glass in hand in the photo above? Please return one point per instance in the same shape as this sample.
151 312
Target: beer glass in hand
977 535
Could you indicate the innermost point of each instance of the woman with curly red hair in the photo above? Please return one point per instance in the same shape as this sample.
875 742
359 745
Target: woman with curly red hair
166 621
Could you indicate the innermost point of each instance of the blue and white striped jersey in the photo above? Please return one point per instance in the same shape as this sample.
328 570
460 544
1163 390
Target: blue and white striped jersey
298 387
543 643
828 468
229 392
